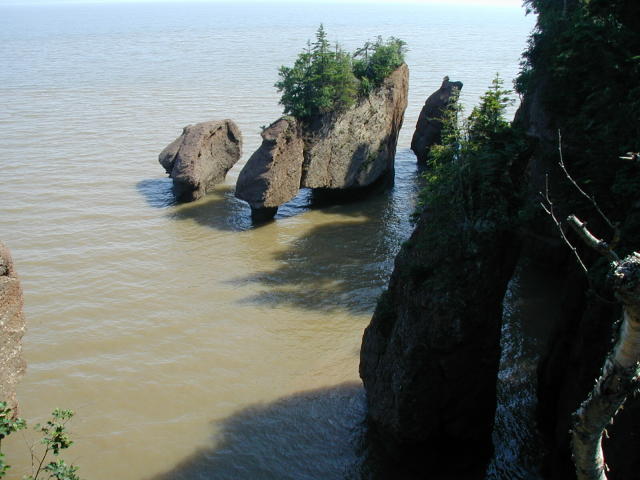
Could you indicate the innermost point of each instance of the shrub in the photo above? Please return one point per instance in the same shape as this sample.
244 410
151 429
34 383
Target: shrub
55 438
468 183
325 79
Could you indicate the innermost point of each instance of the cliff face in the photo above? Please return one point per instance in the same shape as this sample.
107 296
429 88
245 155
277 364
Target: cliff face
334 152
582 335
12 328
573 84
429 358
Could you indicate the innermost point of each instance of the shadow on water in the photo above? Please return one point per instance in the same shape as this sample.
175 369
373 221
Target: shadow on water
221 210
338 266
318 434
158 192
342 265
309 435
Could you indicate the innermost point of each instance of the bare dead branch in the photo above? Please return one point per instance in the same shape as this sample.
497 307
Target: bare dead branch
591 198
547 206
598 245
633 156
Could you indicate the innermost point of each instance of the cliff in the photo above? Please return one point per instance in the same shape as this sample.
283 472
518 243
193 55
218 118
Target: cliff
428 358
341 152
575 83
12 328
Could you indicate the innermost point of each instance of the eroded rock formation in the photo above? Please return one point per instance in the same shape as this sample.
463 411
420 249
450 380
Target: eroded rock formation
201 157
12 328
429 358
272 175
358 147
348 151
429 126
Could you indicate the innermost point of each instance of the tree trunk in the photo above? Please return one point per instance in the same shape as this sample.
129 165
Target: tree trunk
618 380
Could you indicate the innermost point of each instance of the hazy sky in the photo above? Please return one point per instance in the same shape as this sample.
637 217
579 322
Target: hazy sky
506 3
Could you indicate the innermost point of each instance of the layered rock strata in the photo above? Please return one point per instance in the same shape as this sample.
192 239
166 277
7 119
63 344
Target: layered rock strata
12 328
201 157
428 130
334 152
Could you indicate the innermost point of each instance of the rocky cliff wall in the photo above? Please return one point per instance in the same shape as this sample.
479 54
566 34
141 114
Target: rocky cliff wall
583 331
429 358
12 328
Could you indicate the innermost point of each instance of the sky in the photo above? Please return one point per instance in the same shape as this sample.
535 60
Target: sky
505 3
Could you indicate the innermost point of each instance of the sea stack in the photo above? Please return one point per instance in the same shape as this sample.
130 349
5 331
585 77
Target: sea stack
201 157
272 175
429 126
334 153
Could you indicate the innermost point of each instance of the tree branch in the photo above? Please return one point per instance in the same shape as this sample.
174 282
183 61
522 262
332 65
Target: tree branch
598 245
591 198
547 206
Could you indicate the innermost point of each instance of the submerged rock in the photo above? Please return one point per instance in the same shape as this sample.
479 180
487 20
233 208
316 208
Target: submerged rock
429 126
12 328
272 175
201 157
340 152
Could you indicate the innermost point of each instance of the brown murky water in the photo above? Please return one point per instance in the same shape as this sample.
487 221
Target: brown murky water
190 344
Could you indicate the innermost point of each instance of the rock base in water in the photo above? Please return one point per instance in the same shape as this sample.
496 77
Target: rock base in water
348 151
272 175
201 157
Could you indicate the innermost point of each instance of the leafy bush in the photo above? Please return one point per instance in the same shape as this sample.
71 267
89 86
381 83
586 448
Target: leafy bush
325 79
55 438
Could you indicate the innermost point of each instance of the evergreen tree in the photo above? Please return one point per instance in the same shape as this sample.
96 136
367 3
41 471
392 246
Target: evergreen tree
325 79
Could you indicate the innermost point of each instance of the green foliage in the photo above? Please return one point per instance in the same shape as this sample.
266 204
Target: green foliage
8 424
325 79
583 64
376 61
55 438
469 184
54 434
